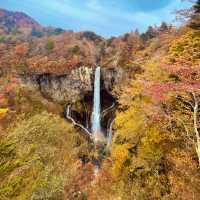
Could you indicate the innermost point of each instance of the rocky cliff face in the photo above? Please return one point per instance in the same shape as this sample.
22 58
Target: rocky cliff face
62 88
73 86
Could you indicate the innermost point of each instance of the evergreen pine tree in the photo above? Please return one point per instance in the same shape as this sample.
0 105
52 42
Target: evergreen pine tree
197 7
163 27
195 19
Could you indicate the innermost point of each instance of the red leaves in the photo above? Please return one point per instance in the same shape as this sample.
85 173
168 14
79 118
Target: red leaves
86 175
157 91
183 78
84 178
183 70
160 91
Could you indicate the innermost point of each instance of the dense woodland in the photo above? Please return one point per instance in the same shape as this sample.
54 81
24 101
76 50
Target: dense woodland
155 152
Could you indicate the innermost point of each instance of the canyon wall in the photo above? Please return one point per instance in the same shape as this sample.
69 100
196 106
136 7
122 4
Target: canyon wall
75 85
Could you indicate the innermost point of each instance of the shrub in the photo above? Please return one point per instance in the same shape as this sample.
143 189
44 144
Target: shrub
37 158
49 45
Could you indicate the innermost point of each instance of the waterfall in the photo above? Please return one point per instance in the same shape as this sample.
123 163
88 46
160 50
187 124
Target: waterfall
96 114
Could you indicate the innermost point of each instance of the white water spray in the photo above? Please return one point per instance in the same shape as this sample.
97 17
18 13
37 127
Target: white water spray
96 114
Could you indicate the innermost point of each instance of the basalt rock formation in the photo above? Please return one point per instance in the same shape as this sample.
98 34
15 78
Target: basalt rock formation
71 87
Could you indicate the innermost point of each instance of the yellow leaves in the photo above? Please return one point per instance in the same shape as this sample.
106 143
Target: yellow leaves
129 123
149 144
3 112
120 155
129 92
40 150
129 126
154 71
186 48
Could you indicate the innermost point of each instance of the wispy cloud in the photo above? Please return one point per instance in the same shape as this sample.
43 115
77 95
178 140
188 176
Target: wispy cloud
106 17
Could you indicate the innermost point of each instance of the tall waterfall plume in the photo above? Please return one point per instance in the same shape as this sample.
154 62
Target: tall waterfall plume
96 114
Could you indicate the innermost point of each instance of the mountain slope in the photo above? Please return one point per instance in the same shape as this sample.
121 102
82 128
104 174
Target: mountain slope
45 78
10 20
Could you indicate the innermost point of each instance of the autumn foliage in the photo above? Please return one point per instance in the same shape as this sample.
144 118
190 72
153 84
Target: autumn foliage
155 151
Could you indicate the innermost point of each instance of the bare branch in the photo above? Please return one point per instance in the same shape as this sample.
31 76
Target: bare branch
185 103
186 130
68 116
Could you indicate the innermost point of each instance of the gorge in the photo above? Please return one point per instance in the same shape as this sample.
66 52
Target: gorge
83 117
80 94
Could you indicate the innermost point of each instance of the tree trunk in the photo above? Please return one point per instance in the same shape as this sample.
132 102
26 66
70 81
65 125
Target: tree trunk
196 128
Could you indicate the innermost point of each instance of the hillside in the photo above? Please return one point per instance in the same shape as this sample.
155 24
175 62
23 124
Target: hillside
16 20
147 106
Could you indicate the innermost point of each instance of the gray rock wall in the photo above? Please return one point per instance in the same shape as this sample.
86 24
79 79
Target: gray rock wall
73 86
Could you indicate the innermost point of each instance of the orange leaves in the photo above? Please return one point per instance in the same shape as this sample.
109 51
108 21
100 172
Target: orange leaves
44 64
8 89
53 54
18 55
21 50
3 100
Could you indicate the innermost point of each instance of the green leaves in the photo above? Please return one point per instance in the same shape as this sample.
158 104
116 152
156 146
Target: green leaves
37 158
49 45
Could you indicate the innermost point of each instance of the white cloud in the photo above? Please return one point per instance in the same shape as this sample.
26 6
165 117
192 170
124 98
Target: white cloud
106 17
94 5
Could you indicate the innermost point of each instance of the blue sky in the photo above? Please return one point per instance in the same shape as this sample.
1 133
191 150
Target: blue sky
105 17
